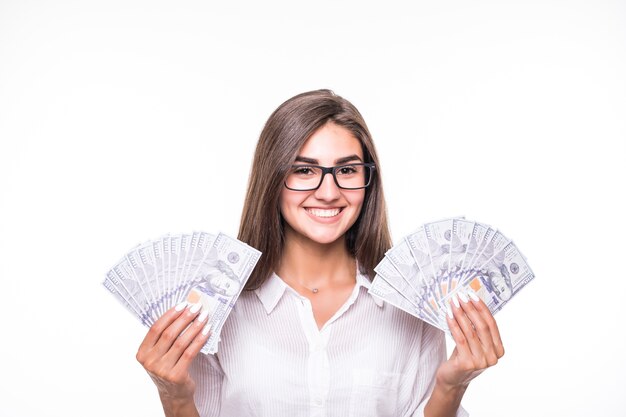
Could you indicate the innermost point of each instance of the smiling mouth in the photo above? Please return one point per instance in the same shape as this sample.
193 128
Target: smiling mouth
324 212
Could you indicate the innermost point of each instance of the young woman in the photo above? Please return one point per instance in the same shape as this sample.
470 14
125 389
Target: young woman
305 337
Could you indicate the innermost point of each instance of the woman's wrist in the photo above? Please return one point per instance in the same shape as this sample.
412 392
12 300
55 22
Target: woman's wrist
445 399
451 391
449 388
178 407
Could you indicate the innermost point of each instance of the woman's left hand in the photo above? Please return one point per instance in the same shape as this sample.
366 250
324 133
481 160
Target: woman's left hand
478 343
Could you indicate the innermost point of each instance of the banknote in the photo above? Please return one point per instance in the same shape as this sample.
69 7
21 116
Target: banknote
388 271
218 281
425 269
200 267
493 243
460 240
130 284
439 237
383 290
476 238
418 245
121 293
401 258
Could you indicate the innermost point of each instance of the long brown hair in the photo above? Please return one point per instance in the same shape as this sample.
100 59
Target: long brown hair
284 134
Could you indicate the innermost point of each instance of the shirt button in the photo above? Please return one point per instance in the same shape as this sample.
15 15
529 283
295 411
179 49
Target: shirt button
318 347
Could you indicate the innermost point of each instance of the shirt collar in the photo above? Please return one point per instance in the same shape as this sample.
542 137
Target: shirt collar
270 292
363 281
273 289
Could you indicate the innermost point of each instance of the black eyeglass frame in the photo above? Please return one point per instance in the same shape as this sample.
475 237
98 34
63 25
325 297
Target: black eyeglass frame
332 170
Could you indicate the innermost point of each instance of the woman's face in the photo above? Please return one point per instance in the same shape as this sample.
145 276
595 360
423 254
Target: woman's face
324 215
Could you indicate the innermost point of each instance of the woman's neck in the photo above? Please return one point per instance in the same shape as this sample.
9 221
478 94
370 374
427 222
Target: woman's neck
316 266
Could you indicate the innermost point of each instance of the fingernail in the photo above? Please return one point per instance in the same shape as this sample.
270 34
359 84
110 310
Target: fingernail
473 295
455 300
180 306
462 296
206 329
449 311
195 308
203 316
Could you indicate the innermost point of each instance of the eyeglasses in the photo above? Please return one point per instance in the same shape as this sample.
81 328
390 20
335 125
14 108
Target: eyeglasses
347 177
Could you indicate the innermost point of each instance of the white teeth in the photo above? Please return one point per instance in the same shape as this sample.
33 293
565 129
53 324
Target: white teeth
323 213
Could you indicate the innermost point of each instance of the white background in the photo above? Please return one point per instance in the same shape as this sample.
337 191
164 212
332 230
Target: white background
124 120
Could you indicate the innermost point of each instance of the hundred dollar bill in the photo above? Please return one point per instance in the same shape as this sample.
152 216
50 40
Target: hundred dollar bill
218 281
477 236
481 236
462 242
387 270
383 290
148 265
175 243
157 254
118 289
493 243
201 243
418 244
166 242
125 270
171 266
439 236
168 268
461 237
184 248
402 259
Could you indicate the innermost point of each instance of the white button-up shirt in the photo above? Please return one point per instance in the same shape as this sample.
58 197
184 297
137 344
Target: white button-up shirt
369 359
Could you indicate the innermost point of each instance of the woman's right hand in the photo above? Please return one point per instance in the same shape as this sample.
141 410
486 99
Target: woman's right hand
166 352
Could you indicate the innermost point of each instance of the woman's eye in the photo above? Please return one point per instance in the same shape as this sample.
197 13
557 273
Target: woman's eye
347 170
303 170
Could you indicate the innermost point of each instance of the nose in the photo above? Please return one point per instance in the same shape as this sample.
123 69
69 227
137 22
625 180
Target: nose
328 190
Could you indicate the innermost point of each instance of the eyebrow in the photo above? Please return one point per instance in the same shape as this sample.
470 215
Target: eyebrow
339 161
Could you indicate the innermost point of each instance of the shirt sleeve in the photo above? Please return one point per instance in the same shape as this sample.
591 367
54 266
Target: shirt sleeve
208 376
432 354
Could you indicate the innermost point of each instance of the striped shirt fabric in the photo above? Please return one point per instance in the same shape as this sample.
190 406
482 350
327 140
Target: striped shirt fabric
369 359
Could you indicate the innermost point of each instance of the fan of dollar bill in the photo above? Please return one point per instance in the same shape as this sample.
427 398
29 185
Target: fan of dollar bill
422 273
197 268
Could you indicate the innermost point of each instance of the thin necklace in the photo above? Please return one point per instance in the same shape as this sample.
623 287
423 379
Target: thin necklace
313 290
